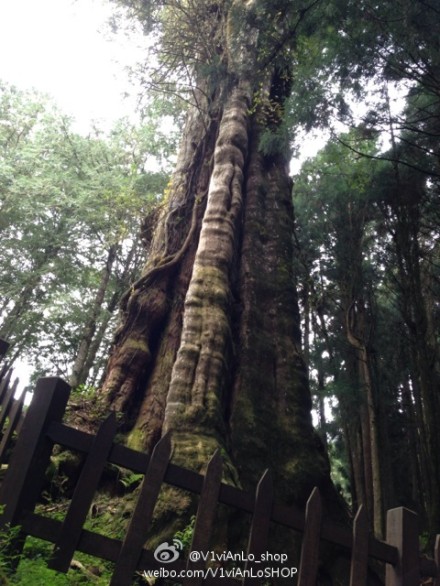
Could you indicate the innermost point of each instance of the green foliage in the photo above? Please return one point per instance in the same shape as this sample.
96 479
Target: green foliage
29 567
144 11
340 468
33 570
66 203
84 391
186 535
274 141
8 559
131 481
366 240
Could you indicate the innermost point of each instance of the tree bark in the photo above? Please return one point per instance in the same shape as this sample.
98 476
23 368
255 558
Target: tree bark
209 345
370 425
79 369
424 355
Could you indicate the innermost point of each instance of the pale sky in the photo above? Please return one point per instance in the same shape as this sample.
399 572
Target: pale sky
65 48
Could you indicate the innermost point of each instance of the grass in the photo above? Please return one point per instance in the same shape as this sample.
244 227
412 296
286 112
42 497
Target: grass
33 571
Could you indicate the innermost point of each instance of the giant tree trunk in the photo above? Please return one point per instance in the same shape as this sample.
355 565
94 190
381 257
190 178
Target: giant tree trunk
209 345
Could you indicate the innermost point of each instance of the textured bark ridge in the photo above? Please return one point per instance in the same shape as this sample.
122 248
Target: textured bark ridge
198 377
209 344
147 340
270 409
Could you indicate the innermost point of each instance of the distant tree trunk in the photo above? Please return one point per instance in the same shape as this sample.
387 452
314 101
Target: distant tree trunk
90 362
29 291
209 345
358 400
307 319
80 365
321 406
94 333
423 353
370 425
320 391
418 458
354 443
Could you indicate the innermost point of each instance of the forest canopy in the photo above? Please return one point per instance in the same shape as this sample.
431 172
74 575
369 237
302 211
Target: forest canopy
328 280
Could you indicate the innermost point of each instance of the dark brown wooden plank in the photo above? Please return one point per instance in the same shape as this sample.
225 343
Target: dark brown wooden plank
206 512
83 496
290 517
91 543
25 475
3 372
403 533
69 437
428 568
5 380
3 347
186 479
21 418
101 547
7 402
259 531
14 418
379 550
81 441
437 560
382 551
359 554
138 528
308 568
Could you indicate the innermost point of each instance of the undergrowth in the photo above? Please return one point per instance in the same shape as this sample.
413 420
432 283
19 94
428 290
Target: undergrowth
32 568
29 568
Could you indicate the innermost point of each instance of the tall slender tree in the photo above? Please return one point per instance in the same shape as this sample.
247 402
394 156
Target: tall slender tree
366 236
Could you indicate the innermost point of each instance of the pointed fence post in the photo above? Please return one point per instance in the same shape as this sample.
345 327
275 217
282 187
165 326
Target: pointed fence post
5 380
308 567
7 402
437 560
259 532
25 475
403 533
205 515
5 367
83 496
137 532
359 554
14 418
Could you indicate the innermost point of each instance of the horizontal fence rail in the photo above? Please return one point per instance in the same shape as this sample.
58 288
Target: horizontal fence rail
43 428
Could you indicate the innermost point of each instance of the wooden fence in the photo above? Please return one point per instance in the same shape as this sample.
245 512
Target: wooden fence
11 409
43 427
